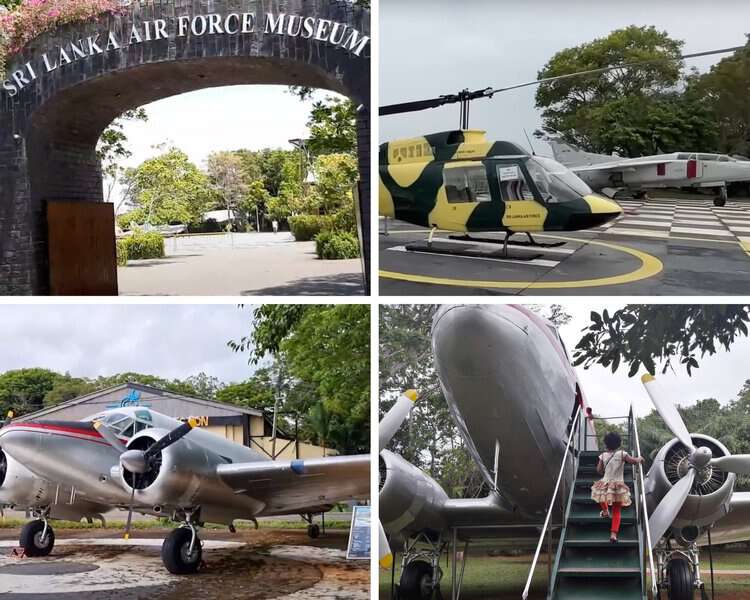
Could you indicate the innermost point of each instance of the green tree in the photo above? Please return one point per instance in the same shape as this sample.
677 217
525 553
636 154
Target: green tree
326 347
112 149
336 175
68 388
724 90
257 392
254 203
169 189
657 334
333 126
225 169
577 108
23 390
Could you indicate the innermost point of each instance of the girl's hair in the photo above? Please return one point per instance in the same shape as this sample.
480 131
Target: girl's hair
612 440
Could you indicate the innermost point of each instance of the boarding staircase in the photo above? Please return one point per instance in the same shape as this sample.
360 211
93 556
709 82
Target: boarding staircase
587 565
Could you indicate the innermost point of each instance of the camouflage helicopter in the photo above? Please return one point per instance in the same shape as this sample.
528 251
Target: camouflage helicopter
460 182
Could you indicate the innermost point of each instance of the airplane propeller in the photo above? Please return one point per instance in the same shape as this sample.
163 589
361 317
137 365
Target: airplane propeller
699 458
387 428
139 462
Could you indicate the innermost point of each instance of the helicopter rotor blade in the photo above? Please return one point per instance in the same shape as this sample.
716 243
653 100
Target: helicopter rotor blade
417 105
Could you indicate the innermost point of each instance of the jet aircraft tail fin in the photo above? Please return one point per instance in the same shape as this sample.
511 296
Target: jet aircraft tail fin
572 156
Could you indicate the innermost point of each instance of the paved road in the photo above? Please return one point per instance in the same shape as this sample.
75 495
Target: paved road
240 264
660 247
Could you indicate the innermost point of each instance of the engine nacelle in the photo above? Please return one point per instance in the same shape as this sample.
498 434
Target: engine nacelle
20 487
710 497
410 500
177 477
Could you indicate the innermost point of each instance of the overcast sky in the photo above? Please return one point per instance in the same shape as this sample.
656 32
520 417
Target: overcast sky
170 341
434 47
720 376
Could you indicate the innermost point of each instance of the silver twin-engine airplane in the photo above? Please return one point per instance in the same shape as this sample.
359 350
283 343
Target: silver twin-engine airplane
144 461
609 174
514 395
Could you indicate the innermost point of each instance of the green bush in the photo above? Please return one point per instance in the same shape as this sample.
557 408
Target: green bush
344 220
336 245
305 227
140 245
122 253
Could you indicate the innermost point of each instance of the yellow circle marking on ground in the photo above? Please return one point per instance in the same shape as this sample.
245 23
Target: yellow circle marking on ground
650 266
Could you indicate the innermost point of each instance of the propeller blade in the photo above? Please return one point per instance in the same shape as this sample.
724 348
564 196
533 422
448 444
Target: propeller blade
385 556
668 411
109 436
130 508
169 439
395 417
404 107
664 515
735 463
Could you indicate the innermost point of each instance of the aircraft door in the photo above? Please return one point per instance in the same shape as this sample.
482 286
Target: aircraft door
465 187
519 191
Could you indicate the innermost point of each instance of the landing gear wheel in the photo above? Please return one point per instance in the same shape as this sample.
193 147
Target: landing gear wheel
176 555
680 580
313 530
31 539
416 581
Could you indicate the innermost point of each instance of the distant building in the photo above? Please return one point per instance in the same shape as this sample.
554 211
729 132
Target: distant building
246 426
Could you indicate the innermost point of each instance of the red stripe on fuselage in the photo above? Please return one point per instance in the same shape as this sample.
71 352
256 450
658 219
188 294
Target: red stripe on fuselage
61 432
48 427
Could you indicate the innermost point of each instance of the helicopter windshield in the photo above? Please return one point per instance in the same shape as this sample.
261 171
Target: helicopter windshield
555 182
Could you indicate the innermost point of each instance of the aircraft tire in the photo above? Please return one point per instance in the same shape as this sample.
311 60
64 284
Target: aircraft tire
30 539
416 581
174 552
680 580
313 530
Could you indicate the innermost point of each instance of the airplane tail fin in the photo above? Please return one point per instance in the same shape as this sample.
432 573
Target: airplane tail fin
572 156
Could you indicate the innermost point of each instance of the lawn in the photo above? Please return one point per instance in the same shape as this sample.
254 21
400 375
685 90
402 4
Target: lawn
503 577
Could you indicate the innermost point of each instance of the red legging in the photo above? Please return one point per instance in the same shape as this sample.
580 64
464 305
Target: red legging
615 514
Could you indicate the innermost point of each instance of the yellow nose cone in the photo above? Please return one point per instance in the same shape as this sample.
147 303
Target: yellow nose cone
600 204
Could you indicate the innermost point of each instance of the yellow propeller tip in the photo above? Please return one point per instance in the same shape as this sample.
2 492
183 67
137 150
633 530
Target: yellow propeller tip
386 562
647 377
411 395
126 536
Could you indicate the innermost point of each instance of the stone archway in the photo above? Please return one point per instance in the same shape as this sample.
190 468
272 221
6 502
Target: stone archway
68 85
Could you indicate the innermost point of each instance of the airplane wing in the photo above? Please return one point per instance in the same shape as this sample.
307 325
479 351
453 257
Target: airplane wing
291 486
735 526
624 166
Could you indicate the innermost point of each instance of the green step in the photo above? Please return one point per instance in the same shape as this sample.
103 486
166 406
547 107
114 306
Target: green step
598 535
598 589
613 561
590 514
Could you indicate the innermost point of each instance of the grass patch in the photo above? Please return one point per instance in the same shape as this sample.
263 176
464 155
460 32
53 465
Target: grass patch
166 523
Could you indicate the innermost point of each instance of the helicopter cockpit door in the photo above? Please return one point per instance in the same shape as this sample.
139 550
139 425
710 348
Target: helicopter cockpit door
465 187
523 210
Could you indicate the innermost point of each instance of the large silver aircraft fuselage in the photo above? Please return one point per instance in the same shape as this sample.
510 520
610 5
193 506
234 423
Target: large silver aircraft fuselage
512 392
80 465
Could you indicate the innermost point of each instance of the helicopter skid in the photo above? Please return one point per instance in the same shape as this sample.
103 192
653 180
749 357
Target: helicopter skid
484 240
454 250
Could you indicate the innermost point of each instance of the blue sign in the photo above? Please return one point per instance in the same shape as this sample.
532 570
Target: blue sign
359 534
132 399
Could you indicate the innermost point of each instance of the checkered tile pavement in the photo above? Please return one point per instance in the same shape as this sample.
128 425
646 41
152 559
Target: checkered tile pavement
682 219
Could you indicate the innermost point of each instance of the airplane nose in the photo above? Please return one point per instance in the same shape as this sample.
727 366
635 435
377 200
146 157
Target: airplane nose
19 443
470 340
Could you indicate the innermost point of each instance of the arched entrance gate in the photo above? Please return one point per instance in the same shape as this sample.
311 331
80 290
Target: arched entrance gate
68 85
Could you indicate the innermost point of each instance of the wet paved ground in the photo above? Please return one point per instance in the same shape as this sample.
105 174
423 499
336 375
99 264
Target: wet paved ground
240 264
660 247
264 564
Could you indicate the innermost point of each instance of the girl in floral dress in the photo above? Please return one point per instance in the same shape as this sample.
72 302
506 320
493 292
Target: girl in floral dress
611 489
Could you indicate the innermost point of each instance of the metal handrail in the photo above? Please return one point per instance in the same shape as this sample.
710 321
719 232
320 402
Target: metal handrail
573 429
642 490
